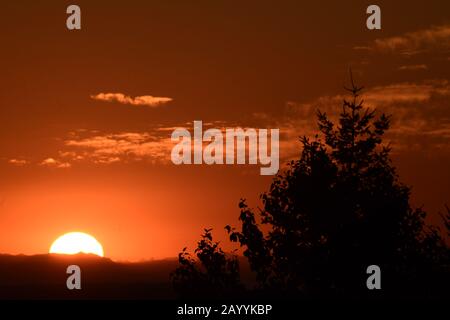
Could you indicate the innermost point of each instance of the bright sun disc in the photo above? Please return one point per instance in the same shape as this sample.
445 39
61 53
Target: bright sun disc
76 242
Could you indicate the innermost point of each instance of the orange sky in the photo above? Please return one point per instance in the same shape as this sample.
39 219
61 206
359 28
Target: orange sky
72 161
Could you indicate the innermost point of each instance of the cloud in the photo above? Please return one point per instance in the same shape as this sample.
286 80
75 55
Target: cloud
414 67
406 92
120 147
48 162
390 96
420 119
152 146
51 162
412 43
18 162
420 115
136 101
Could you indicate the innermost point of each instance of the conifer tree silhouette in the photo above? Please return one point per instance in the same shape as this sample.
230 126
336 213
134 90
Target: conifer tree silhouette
337 210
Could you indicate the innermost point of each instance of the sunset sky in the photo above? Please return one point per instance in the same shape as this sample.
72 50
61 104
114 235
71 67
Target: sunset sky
79 151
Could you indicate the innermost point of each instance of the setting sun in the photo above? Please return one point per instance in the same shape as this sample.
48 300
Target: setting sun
76 242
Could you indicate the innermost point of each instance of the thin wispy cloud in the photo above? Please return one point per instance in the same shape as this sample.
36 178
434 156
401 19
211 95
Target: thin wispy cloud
411 43
420 110
420 115
48 162
119 147
51 162
415 67
147 100
18 162
152 146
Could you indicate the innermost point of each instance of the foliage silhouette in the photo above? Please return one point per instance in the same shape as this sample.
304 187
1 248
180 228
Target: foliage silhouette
216 273
334 212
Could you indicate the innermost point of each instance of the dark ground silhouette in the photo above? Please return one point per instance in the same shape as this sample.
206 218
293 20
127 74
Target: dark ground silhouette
44 277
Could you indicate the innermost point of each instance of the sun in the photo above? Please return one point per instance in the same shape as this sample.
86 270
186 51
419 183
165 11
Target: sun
76 242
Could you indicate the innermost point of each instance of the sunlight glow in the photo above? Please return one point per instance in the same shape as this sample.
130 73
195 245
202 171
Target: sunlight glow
76 242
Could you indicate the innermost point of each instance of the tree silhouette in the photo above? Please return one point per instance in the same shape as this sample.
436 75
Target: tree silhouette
446 220
337 210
